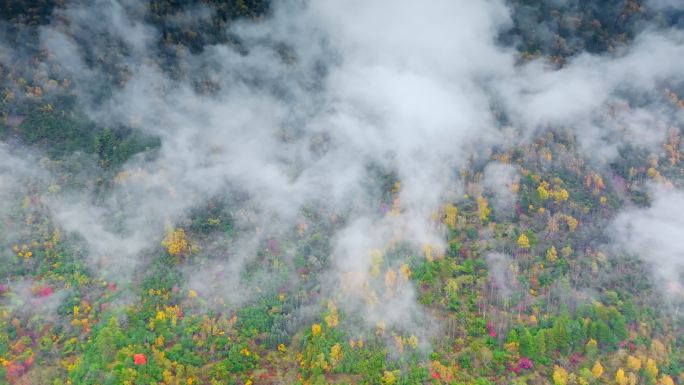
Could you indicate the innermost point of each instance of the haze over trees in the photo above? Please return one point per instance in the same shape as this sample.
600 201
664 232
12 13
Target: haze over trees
253 192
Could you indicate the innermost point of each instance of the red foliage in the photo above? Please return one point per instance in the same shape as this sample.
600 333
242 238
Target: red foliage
139 359
29 362
14 371
576 358
436 376
490 330
523 363
44 291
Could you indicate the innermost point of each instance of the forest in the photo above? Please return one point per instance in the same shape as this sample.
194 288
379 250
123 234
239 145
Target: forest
252 192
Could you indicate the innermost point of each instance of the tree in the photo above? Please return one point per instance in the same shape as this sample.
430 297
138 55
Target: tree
633 363
621 378
651 368
560 336
603 334
527 344
542 345
597 370
335 354
552 254
483 209
560 376
591 348
175 242
104 145
450 215
523 241
542 191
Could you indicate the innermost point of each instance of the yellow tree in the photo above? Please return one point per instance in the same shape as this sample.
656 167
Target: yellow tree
483 208
450 215
335 354
552 254
621 378
667 380
523 242
332 319
543 191
405 271
651 368
560 376
597 370
175 242
561 195
633 363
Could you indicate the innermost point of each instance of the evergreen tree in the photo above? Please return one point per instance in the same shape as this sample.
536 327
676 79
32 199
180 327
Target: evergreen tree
560 335
527 344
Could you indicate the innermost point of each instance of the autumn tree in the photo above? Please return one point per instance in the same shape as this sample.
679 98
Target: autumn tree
523 241
597 370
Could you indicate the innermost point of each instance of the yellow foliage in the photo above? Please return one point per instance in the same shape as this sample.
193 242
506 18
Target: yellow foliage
390 279
483 208
175 242
333 318
561 195
571 222
336 354
192 294
282 348
427 251
633 363
651 368
560 376
450 215
652 173
597 369
552 254
316 330
666 380
621 378
412 341
523 242
542 191
511 347
390 378
405 271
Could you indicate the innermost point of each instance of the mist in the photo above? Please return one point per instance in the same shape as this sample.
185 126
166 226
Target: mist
315 104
